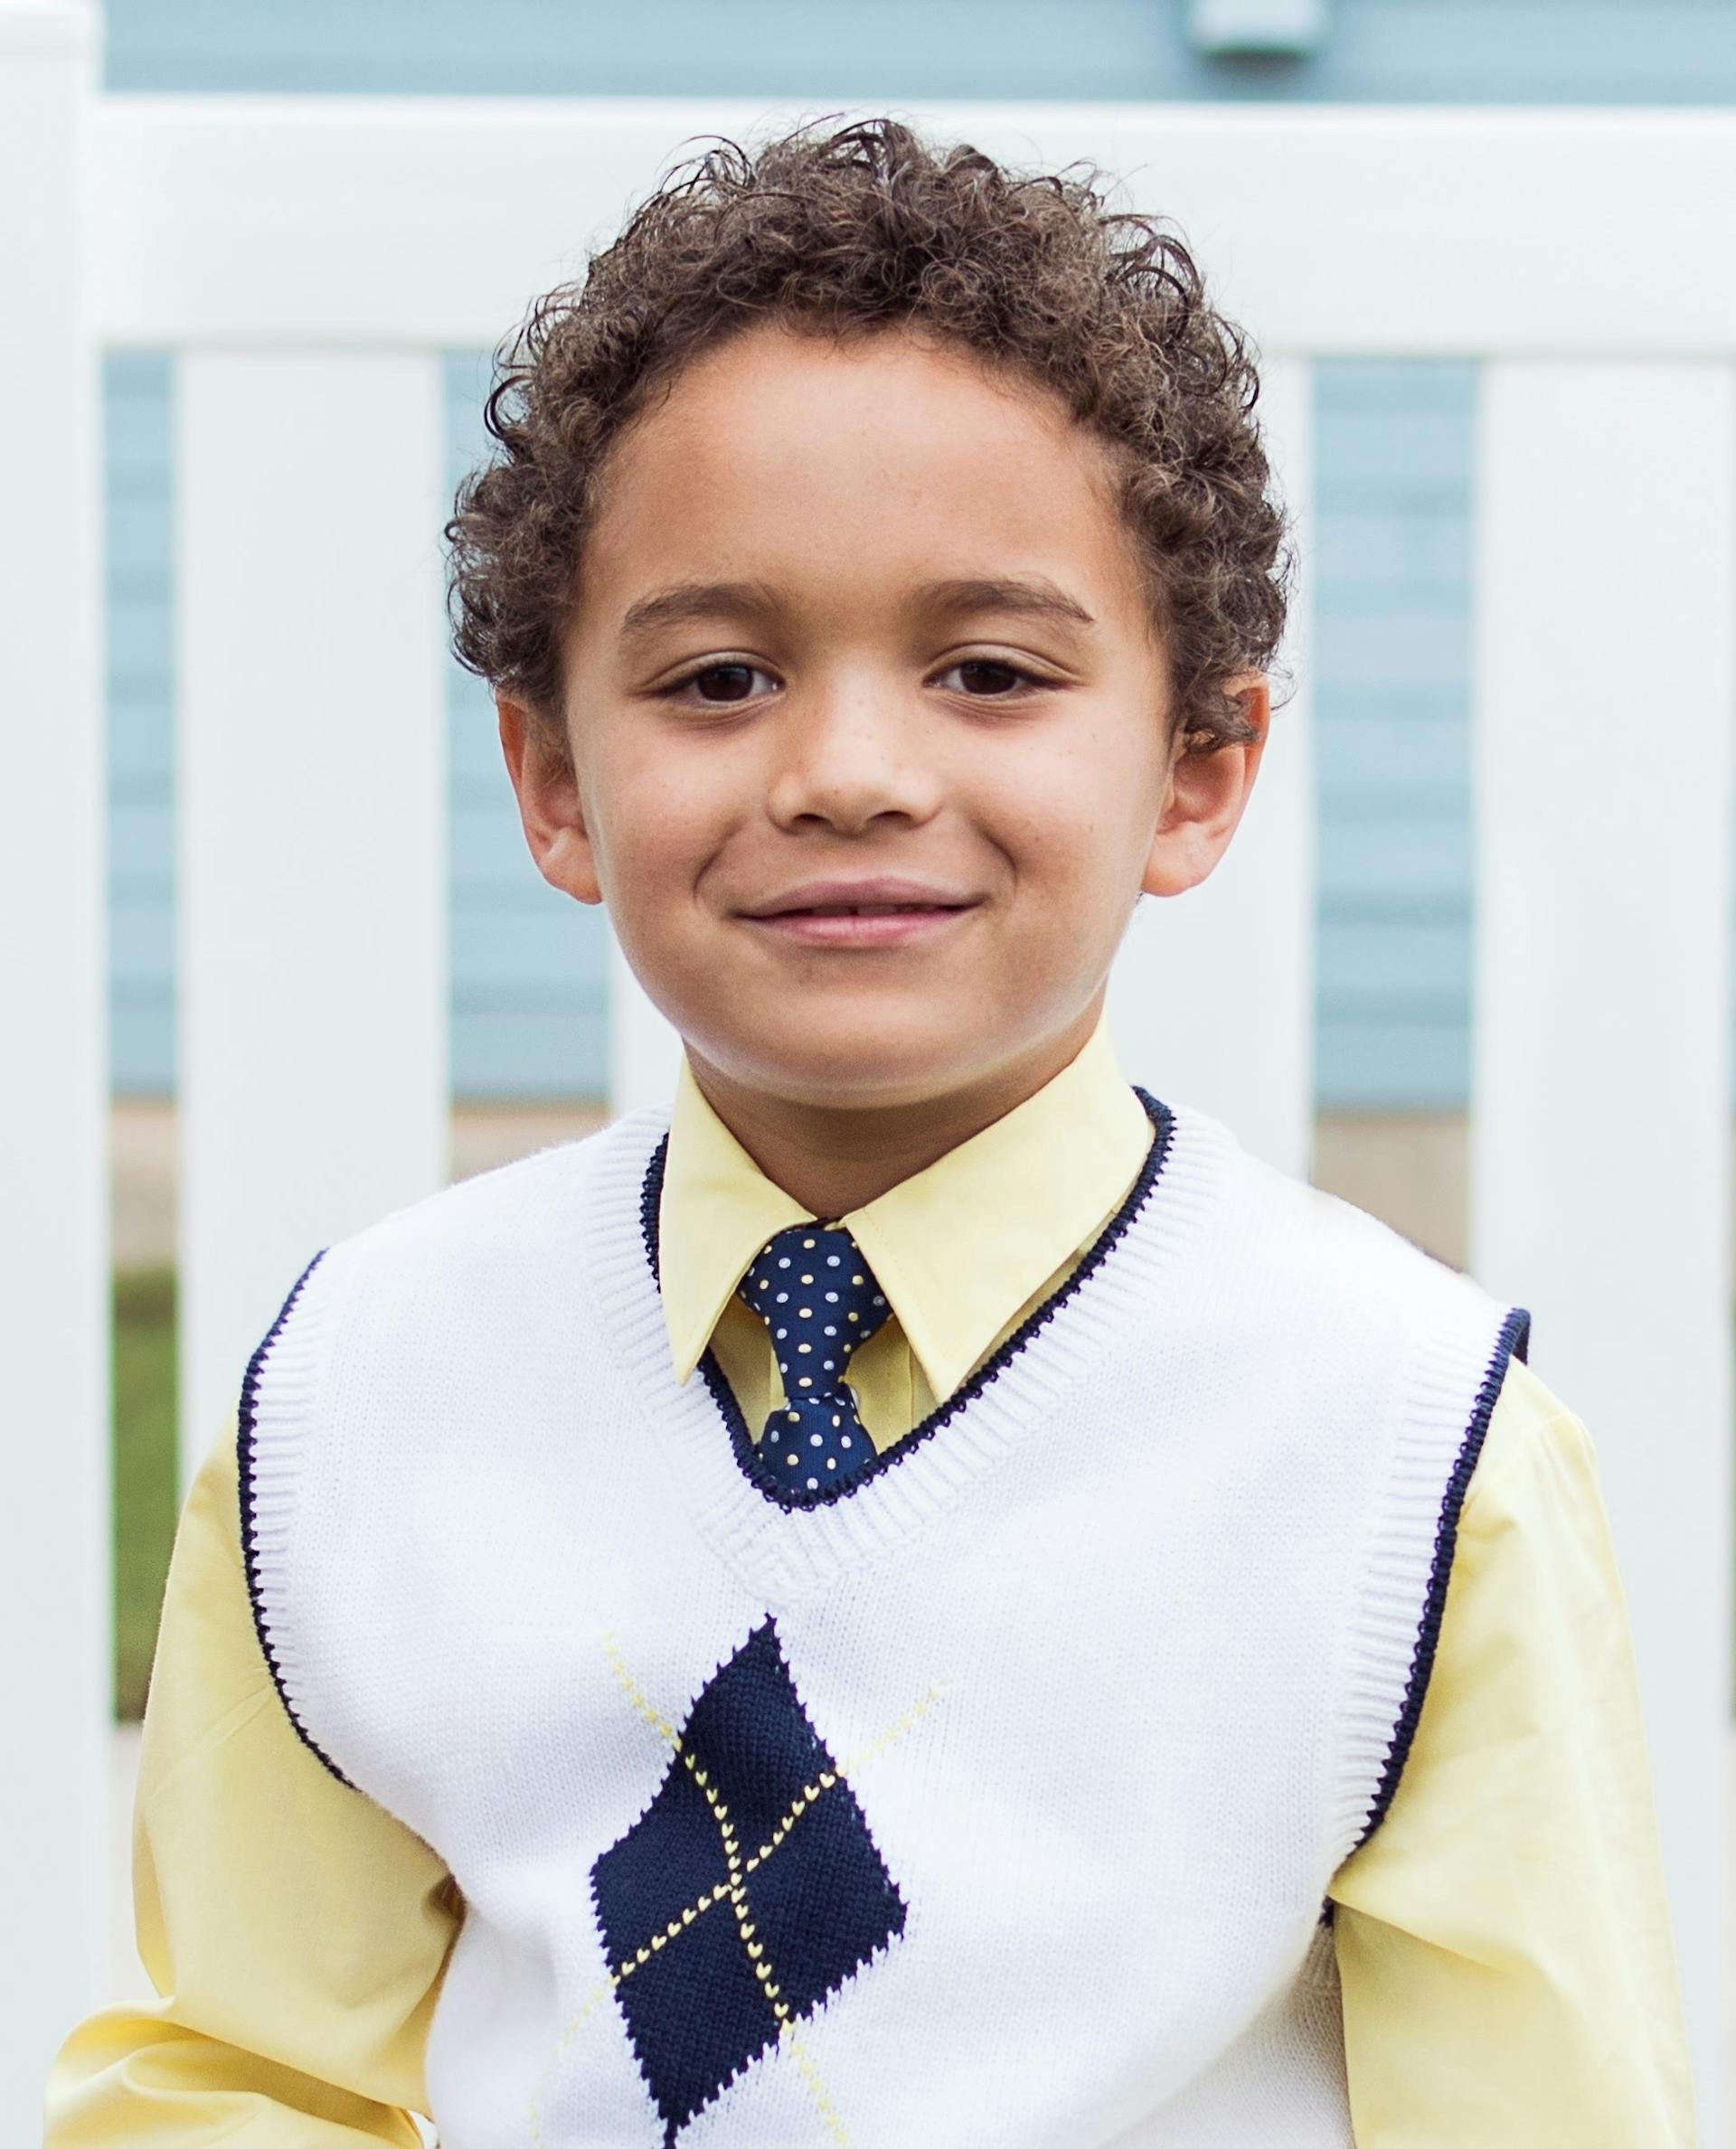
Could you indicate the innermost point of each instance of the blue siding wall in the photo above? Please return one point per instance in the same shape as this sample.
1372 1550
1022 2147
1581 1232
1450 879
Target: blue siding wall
1548 51
141 720
1392 452
529 965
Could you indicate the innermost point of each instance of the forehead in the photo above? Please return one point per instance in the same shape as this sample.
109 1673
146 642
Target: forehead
874 461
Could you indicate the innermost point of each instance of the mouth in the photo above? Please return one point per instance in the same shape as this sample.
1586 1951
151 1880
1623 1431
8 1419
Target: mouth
832 916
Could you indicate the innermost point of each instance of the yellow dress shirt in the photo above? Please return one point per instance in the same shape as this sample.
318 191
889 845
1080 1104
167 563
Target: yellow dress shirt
1502 1938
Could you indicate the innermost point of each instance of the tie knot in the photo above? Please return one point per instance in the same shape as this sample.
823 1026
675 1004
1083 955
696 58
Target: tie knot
818 1298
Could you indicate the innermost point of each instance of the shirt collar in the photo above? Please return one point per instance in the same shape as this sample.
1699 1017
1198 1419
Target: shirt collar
958 1248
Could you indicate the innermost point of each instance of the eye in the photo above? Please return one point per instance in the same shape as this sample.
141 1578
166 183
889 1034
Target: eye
724 683
988 678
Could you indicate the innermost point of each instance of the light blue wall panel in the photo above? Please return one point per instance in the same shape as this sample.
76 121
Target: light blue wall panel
141 717
1560 52
529 965
1392 456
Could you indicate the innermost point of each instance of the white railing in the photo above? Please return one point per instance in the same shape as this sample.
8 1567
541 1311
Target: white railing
308 259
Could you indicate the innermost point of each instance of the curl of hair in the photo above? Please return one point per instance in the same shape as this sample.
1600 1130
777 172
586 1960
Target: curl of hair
869 227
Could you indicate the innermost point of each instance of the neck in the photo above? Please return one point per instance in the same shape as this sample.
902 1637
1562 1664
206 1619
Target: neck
833 1159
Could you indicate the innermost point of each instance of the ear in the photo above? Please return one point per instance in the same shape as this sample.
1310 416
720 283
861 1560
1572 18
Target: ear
549 804
1205 797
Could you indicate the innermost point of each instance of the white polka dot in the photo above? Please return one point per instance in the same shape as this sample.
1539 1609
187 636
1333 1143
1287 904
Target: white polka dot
781 1331
831 1331
845 1442
783 1262
831 1296
814 1440
806 1311
807 1279
803 1346
783 1298
795 1416
804 1382
830 1462
855 1279
765 1283
856 1317
832 1260
790 1459
878 1299
807 1242
813 1484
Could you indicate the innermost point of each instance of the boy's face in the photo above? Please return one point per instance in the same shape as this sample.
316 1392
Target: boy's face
860 622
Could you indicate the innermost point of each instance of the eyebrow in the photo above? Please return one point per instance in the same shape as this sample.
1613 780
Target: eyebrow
1033 594
687 601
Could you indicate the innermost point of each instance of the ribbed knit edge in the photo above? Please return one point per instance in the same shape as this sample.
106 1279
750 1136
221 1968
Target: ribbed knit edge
788 1551
1393 1644
277 1395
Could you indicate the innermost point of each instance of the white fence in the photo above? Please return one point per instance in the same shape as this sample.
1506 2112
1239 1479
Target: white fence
307 260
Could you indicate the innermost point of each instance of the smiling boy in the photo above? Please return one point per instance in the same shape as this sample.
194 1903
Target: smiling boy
903 1597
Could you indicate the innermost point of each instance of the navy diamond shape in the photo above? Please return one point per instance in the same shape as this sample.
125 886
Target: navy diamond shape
748 1890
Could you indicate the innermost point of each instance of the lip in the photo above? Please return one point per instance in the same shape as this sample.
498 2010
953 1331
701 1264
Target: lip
809 912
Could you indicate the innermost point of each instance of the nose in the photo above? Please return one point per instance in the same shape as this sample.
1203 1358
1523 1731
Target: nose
849 753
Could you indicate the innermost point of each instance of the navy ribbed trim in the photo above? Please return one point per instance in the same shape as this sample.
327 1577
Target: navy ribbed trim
747 1451
1512 1342
246 1428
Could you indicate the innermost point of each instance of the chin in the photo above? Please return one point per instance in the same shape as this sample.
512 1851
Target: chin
879 1074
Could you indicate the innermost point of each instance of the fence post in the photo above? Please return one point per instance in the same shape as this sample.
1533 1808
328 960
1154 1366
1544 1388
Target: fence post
54 1593
1605 567
313 927
644 1045
1211 996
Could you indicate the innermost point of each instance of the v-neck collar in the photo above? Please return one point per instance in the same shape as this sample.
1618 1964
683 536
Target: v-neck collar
781 1549
746 1451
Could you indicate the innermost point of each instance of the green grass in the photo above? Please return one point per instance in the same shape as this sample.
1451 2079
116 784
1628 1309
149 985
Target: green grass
145 1500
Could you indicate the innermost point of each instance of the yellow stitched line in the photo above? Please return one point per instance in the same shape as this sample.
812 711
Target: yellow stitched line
893 1732
827 1778
817 2088
805 1797
630 1687
738 1894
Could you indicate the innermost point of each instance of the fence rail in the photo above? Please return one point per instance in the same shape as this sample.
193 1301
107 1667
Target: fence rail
306 261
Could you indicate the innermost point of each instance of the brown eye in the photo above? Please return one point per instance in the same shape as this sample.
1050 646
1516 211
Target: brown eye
725 683
985 678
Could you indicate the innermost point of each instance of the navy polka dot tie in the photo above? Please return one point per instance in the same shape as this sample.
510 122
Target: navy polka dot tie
819 1299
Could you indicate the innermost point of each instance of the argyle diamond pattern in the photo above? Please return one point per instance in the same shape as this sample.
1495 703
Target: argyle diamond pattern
748 1892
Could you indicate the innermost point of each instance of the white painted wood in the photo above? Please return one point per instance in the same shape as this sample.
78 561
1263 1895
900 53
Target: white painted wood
54 1593
313 928
1356 230
643 1046
1211 996
1606 564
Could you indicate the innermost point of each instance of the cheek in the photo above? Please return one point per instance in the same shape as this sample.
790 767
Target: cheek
1077 814
655 821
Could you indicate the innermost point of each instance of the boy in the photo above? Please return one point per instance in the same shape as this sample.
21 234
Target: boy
904 1600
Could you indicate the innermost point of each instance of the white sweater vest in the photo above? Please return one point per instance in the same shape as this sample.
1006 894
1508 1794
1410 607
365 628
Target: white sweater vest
990 1799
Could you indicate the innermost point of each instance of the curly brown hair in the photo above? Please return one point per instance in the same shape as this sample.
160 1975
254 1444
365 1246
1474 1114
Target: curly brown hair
859 229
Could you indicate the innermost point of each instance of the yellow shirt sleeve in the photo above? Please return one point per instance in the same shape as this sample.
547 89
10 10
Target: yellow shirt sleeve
1503 1937
294 1931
